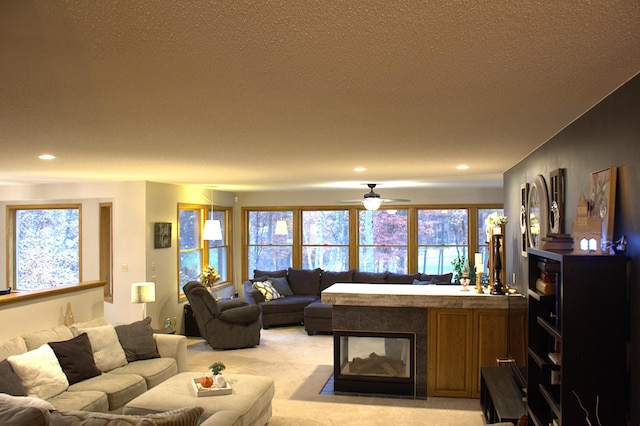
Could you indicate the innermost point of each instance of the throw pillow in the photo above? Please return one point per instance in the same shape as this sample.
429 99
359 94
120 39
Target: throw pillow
9 381
267 290
15 346
76 358
40 372
441 279
304 281
187 416
25 401
393 278
282 285
329 278
107 352
137 340
24 410
257 273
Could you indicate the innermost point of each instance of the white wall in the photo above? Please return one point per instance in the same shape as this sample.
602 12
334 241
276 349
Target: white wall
138 205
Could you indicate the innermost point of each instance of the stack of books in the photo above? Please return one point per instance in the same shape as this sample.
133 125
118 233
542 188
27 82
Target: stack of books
557 242
546 282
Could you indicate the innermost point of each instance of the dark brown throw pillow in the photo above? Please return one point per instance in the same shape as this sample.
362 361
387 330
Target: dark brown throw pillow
76 358
137 340
9 381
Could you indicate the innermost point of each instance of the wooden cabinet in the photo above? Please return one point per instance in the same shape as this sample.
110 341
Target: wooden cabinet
460 341
577 339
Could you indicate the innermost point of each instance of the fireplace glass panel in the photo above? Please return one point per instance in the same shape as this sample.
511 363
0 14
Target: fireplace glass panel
375 356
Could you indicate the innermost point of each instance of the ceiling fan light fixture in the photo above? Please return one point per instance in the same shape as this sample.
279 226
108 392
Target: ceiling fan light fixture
372 203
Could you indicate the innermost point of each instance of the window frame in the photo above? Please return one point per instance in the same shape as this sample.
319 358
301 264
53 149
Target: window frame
11 258
203 245
473 228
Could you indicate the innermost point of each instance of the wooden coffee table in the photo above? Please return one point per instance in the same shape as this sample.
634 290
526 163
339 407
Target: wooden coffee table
251 398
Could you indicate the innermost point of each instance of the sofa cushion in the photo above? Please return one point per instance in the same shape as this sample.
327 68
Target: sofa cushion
304 281
23 410
287 304
107 351
9 381
40 372
120 388
187 416
38 338
369 277
15 346
393 278
137 340
328 278
76 358
258 274
318 309
441 279
154 371
81 400
267 290
282 285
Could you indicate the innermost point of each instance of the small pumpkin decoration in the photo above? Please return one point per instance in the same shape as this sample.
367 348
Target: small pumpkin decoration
206 381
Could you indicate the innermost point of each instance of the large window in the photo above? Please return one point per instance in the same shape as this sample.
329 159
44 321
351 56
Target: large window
423 239
325 239
196 253
270 242
45 246
442 237
382 244
483 238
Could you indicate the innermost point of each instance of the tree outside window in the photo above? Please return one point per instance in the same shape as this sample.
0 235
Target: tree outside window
383 241
45 247
266 249
442 237
325 239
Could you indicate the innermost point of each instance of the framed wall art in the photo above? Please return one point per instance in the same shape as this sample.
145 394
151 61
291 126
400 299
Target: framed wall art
602 199
162 235
556 202
524 222
538 212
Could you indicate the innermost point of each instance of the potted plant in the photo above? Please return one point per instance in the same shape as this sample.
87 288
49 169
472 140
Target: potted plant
218 379
461 269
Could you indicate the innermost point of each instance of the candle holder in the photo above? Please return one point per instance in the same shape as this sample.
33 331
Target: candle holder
497 287
479 283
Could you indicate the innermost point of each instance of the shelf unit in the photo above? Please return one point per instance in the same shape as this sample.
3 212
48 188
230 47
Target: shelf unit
586 323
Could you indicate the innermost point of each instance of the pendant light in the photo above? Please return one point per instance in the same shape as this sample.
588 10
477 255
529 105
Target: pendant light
212 229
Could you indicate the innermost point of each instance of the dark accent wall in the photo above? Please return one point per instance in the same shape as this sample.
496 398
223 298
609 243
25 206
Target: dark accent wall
607 135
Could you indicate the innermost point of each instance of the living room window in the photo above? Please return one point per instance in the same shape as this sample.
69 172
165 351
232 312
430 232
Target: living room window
325 239
442 237
44 246
483 244
270 240
382 241
196 253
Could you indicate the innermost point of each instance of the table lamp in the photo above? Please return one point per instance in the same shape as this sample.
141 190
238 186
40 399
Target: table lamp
143 293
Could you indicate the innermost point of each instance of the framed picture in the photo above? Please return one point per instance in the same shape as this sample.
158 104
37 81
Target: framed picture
524 222
556 202
602 199
538 212
162 235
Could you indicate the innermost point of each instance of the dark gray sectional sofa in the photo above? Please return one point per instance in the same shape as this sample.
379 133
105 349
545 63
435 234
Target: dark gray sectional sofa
301 289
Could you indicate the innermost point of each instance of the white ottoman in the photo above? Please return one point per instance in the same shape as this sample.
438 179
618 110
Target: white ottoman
251 398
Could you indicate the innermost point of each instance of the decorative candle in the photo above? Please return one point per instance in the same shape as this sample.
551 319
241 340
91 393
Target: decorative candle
479 263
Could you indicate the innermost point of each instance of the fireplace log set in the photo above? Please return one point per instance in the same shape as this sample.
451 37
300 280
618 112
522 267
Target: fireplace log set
379 365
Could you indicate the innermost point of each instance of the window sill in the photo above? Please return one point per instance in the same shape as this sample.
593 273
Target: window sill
22 296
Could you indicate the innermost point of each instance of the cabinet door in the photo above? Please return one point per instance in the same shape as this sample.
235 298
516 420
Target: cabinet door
450 352
490 332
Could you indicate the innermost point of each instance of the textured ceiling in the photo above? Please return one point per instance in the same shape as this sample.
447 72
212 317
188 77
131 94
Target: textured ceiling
258 95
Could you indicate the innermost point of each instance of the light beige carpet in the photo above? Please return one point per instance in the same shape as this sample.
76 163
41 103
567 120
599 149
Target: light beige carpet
301 365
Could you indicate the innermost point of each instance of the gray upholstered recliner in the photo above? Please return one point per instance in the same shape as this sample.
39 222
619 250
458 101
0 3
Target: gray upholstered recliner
228 324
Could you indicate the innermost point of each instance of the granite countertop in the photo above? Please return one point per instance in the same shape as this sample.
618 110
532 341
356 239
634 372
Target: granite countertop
417 296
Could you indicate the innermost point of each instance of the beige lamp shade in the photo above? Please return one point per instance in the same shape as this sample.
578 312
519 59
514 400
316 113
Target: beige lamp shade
212 230
143 293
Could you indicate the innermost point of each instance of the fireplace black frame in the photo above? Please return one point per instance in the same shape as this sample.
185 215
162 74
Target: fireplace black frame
373 384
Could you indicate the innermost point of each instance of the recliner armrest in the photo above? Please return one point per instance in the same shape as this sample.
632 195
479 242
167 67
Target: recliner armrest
231 303
241 315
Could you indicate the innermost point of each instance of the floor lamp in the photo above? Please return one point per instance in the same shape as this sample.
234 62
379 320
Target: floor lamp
143 293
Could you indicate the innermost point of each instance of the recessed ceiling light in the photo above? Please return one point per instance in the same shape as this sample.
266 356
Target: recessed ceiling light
462 167
46 157
359 169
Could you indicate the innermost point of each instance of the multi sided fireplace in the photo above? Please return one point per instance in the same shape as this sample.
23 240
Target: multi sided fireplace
374 362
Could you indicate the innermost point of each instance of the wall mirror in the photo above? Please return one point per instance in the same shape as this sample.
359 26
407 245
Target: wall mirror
538 207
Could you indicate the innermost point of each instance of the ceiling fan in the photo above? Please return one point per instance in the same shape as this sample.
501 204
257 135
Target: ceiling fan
372 200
